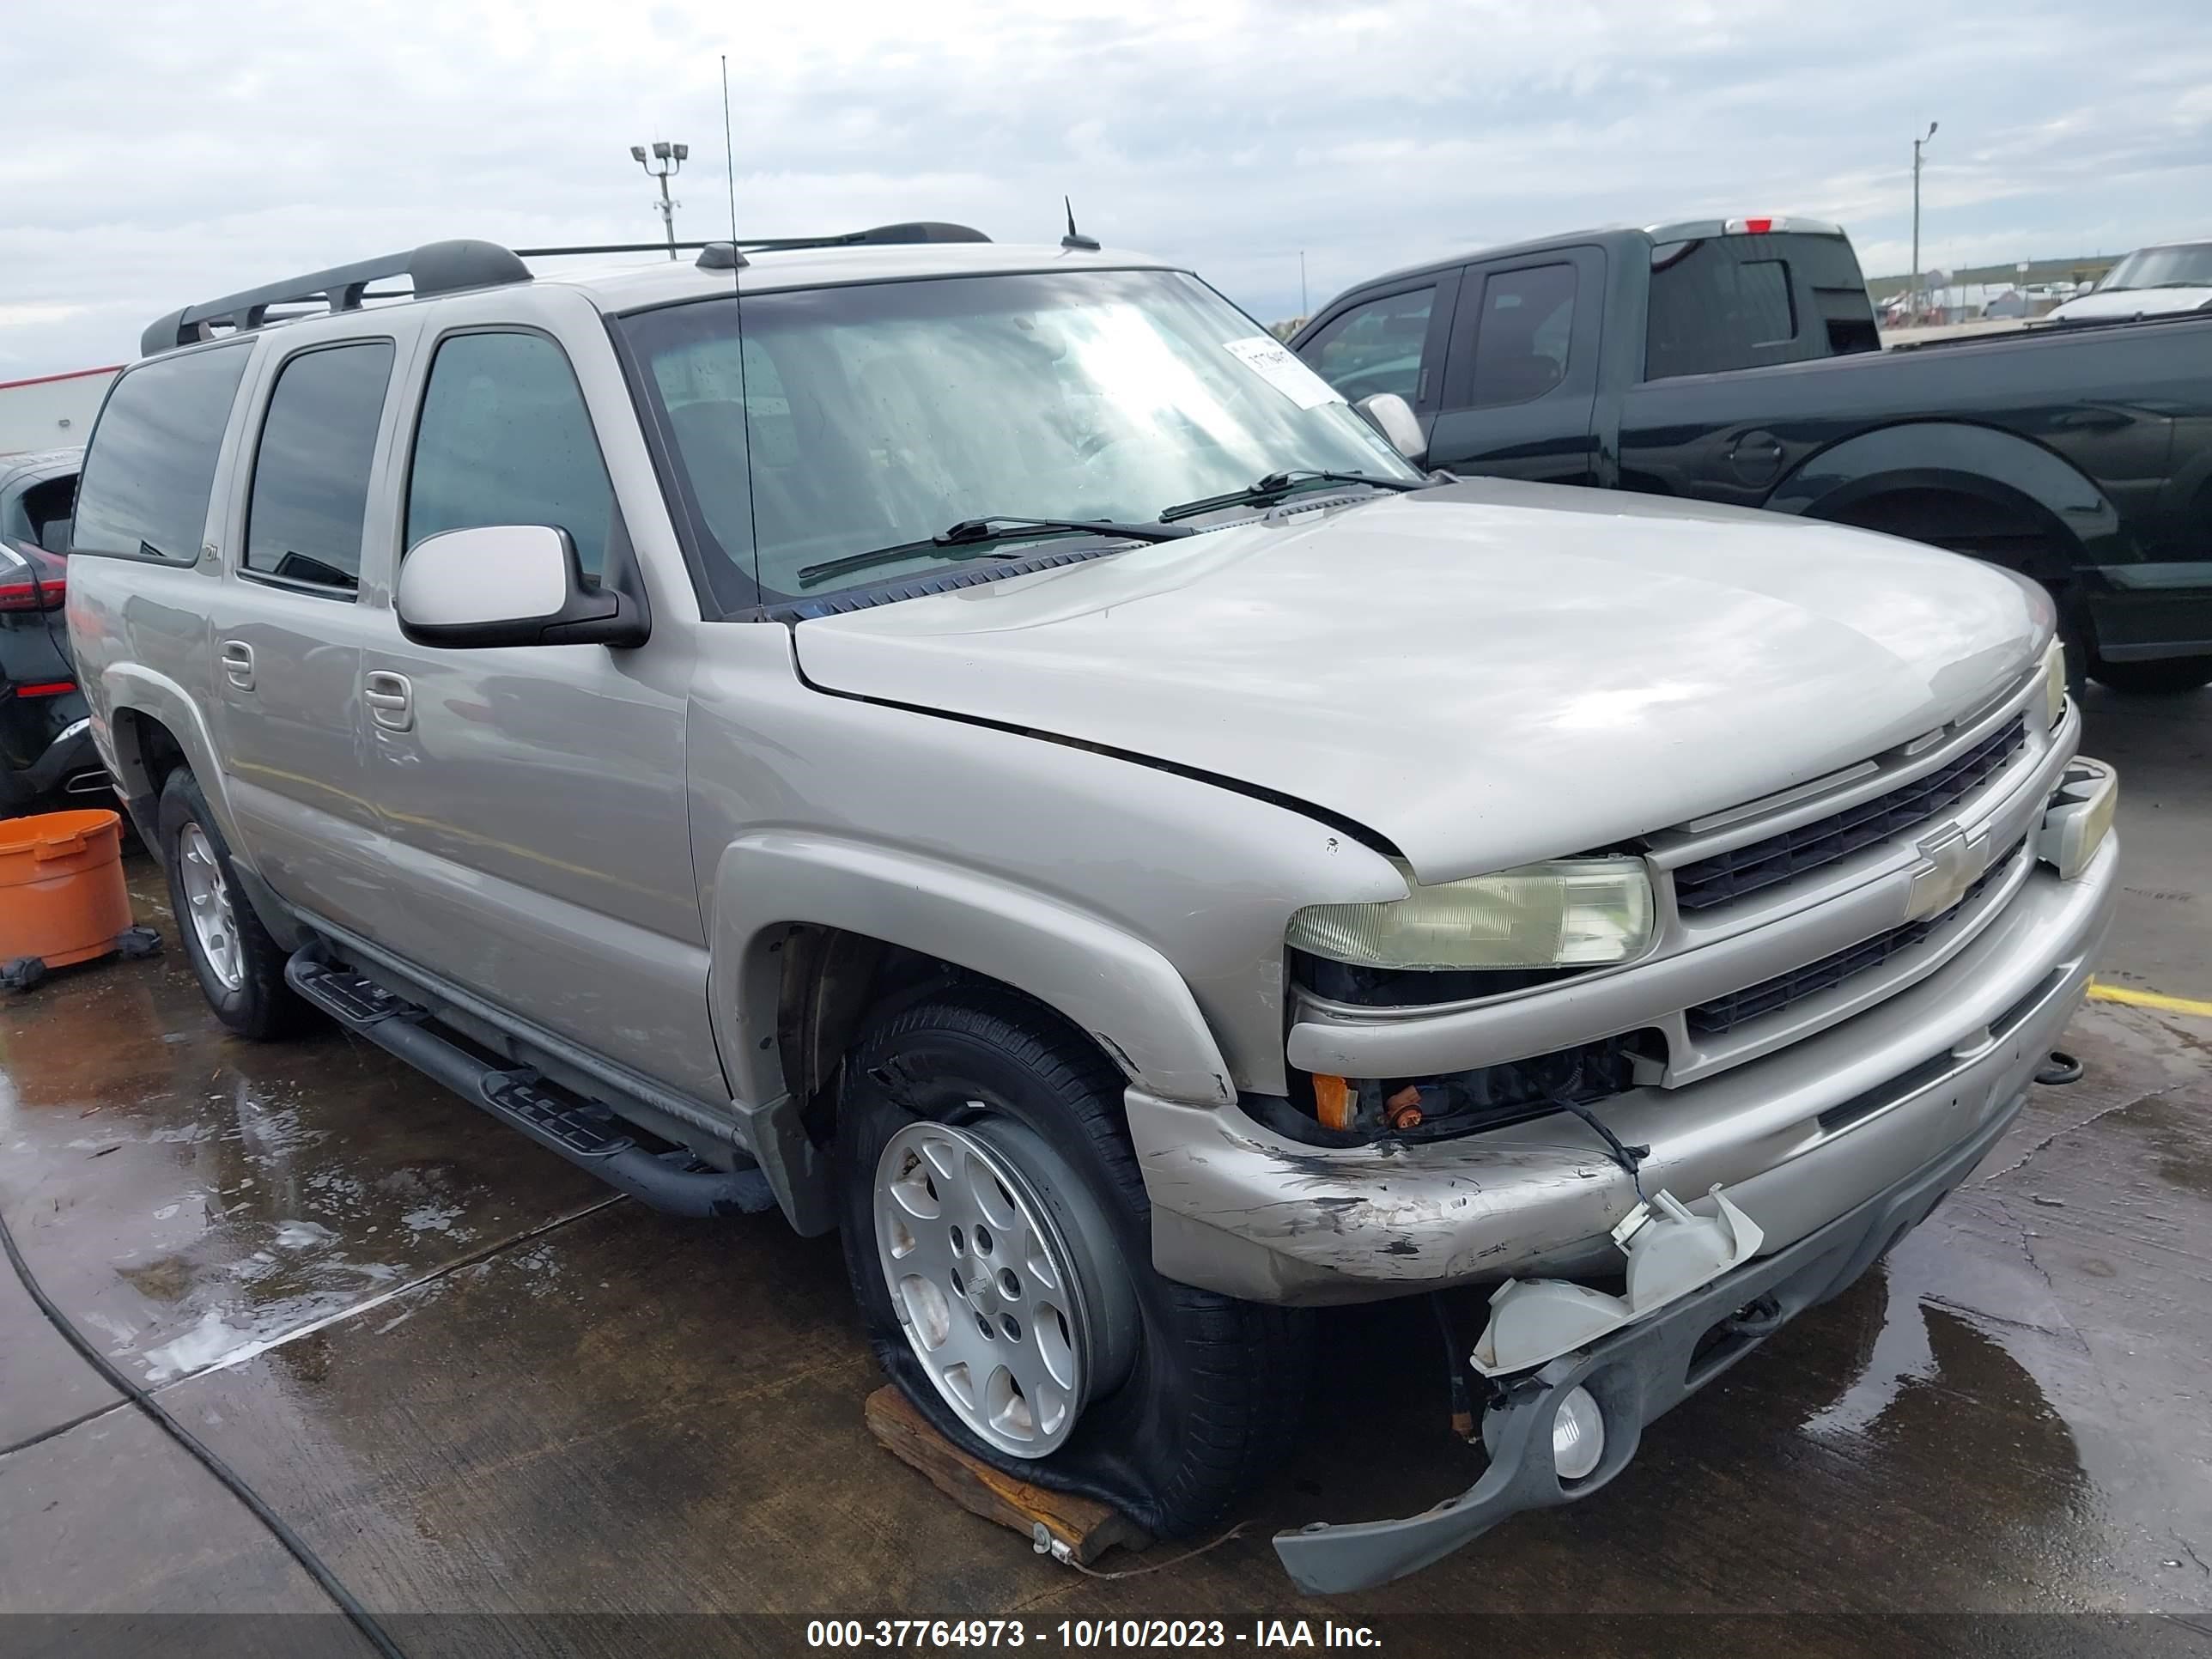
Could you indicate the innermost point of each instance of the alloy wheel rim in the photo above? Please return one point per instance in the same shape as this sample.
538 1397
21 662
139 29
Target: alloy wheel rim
207 900
984 1286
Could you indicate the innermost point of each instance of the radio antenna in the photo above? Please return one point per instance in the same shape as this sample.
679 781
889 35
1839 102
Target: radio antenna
738 321
729 161
1076 239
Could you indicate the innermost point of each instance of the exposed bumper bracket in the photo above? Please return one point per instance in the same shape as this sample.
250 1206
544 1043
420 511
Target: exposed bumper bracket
1671 1251
1634 1374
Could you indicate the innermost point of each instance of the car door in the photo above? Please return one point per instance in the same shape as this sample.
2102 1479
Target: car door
286 620
1389 339
1520 380
534 798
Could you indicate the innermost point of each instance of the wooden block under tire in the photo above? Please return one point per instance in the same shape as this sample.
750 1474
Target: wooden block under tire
1085 1528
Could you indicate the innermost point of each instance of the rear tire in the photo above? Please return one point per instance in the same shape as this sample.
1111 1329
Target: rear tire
1199 1394
2170 677
240 969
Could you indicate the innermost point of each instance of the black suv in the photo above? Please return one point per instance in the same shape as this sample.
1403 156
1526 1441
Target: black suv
47 756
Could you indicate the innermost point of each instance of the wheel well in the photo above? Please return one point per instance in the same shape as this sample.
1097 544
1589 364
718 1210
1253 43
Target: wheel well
2001 527
146 750
834 981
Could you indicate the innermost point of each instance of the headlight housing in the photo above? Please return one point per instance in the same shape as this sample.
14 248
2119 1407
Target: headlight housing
1560 913
2054 685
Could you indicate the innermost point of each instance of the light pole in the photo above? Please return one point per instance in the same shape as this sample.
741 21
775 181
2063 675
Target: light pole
671 158
1918 297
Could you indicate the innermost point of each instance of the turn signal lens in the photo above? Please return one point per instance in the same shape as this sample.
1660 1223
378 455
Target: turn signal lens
2078 816
1566 912
2054 686
1334 1101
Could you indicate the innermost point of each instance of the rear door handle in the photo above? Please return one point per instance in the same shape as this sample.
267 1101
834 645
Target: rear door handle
391 699
237 664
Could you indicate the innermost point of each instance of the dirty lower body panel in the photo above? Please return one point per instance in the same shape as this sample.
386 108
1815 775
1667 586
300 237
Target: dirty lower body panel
1632 1376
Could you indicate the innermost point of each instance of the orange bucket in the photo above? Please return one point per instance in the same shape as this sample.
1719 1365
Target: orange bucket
62 896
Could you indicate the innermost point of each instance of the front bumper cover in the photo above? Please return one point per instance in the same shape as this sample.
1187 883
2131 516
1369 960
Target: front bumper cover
1634 1374
1795 1137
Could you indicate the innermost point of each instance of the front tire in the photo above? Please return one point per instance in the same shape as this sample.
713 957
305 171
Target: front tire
1169 1402
240 969
2168 677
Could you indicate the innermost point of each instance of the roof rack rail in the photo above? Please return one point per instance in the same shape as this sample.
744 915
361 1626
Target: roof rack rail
917 230
433 268
451 266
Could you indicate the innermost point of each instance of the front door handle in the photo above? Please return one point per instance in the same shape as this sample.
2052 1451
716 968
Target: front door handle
237 664
391 699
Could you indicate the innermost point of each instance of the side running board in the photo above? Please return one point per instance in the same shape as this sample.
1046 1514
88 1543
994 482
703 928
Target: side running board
588 1133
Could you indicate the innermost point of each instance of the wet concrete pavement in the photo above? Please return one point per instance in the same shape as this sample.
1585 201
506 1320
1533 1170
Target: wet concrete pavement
485 1393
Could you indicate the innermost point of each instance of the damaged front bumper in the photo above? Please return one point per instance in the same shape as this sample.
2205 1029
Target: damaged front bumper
1634 1374
1797 1137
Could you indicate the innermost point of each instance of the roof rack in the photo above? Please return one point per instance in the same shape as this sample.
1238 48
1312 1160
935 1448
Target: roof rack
917 230
433 268
452 266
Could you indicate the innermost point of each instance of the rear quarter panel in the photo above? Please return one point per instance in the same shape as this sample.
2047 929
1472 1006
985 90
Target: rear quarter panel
2108 404
139 632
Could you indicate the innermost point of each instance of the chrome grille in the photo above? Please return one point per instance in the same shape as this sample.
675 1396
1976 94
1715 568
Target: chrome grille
1716 880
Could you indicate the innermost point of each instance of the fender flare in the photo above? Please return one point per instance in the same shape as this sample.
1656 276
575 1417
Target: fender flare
1969 460
131 688
1123 993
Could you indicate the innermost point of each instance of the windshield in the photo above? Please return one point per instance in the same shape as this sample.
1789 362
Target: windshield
2189 265
880 414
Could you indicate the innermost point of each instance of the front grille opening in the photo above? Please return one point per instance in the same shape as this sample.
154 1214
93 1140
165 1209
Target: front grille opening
1724 1014
1441 1108
1724 876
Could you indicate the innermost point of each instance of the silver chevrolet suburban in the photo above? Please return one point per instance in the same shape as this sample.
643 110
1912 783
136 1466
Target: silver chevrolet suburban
977 749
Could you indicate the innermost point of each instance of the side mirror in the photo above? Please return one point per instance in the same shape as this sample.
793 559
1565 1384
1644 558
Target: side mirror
509 584
1394 417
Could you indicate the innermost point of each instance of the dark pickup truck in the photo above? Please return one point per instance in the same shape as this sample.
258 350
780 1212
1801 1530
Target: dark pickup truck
1738 362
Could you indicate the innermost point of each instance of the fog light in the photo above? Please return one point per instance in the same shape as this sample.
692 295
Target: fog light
1577 1435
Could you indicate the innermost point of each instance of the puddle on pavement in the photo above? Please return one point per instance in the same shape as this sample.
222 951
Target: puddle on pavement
188 1195
2010 1412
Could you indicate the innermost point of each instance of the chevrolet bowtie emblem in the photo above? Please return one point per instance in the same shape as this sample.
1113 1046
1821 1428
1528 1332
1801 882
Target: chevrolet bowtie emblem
1950 862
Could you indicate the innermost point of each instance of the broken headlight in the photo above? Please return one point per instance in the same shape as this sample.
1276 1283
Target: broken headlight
1564 912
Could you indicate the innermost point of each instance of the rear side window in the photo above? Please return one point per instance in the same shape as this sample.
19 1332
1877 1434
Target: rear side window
1375 346
151 465
303 523
1523 331
504 438
1735 302
1711 311
46 507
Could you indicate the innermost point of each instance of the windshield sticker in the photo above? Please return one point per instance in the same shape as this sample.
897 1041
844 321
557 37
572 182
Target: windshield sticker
1272 362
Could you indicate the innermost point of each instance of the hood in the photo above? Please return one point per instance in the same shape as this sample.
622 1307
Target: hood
2130 302
1484 673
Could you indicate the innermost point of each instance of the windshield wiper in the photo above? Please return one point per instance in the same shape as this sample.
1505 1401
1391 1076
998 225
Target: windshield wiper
979 533
1276 485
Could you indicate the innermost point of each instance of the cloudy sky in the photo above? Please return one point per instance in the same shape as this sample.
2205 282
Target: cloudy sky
156 153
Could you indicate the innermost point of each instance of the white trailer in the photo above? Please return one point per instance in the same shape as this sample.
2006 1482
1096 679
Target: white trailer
53 410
